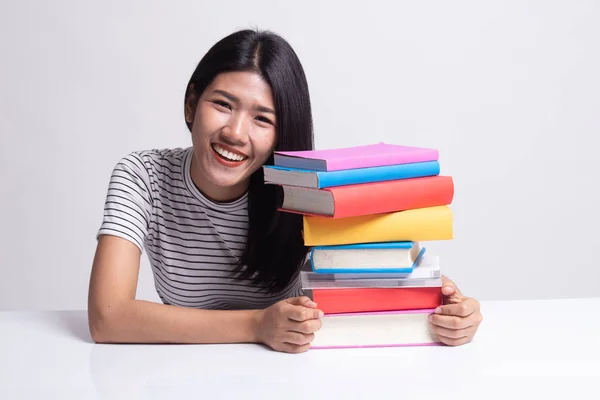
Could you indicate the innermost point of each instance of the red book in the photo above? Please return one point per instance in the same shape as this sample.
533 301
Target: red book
348 300
368 198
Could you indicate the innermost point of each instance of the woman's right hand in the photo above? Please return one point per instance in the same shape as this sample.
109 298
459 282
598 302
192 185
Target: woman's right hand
289 325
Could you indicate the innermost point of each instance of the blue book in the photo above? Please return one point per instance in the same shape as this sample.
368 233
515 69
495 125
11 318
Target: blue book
322 179
397 257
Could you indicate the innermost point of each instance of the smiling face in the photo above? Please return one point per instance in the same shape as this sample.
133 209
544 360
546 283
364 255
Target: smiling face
233 133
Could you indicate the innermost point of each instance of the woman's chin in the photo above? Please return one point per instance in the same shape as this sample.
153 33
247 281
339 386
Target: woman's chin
232 182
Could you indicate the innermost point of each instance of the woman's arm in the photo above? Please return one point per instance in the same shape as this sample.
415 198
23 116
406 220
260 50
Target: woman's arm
115 316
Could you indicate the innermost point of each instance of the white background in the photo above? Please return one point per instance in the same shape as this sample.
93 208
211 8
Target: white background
509 92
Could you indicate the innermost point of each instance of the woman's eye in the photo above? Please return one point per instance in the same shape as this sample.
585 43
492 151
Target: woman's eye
222 104
265 120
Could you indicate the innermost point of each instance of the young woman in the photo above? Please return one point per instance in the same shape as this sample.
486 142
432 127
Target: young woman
225 261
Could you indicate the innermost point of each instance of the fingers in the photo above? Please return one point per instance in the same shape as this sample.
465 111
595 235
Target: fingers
302 308
294 342
450 322
299 339
449 288
301 313
451 333
455 341
308 326
462 309
456 324
446 281
302 301
292 324
293 348
454 337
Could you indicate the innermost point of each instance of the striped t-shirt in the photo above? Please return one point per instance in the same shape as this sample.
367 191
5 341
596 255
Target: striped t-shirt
192 242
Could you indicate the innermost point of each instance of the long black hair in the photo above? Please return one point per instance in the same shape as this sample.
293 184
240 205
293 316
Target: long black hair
275 249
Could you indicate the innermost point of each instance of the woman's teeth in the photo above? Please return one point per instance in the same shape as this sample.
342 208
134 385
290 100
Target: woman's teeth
227 154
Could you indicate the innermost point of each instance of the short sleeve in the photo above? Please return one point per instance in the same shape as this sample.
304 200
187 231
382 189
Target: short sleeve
128 204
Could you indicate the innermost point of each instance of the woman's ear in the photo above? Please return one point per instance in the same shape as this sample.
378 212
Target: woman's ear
190 104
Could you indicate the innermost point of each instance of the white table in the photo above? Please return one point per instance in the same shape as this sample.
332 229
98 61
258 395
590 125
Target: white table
523 348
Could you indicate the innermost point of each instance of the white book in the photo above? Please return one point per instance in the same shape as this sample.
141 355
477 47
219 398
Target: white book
379 329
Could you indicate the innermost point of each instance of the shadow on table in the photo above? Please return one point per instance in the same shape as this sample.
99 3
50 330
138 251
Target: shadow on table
74 323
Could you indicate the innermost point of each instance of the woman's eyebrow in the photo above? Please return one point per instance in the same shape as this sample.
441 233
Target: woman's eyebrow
265 109
234 99
228 95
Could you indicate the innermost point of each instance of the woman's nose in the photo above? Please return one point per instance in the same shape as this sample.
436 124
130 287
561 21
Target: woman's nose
237 129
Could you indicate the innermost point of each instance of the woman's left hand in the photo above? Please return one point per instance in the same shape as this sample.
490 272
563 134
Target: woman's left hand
456 322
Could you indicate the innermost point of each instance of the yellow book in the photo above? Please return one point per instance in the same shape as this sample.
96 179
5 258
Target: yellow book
421 224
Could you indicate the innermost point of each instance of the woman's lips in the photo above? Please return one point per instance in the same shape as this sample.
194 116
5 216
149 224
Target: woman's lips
227 156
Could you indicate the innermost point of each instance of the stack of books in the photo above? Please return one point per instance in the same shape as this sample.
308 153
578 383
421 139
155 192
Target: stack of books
367 211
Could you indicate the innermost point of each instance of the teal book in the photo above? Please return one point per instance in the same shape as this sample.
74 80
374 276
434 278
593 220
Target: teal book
397 257
323 179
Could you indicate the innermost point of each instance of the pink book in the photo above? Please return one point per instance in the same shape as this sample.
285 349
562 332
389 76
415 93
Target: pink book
372 155
375 329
